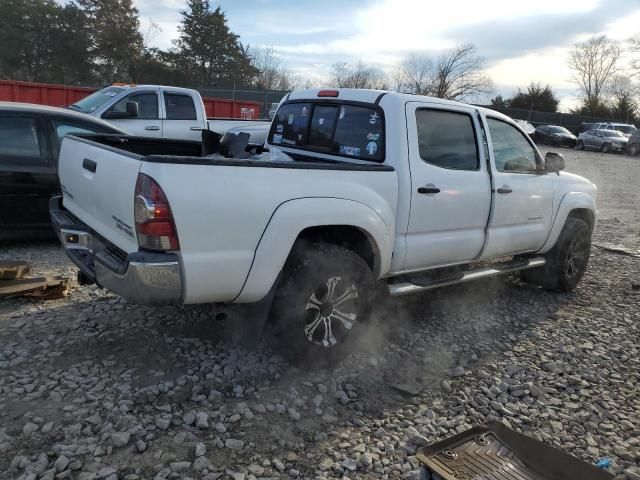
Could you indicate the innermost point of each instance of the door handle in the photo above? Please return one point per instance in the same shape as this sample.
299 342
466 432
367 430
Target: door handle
427 189
89 165
195 129
504 189
152 127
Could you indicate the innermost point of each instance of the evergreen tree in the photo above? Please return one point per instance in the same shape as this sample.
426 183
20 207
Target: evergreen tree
207 51
537 98
116 42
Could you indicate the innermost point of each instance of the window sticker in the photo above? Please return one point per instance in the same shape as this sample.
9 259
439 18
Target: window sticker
290 119
277 138
372 148
342 112
321 121
110 94
373 137
304 111
299 137
373 118
286 141
351 151
279 128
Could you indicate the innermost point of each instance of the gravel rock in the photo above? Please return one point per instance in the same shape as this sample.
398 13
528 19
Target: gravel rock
234 444
120 439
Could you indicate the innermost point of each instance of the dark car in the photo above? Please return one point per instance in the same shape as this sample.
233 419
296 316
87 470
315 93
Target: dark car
554 135
585 127
30 138
633 145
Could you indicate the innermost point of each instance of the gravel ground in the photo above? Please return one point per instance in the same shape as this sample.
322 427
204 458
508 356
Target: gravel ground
94 388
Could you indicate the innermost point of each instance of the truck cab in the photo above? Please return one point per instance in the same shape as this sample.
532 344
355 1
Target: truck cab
148 110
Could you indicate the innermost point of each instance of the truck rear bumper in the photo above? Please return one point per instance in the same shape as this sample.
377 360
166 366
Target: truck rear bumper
142 277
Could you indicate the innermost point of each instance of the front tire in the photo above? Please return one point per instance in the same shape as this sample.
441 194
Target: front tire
321 303
566 261
604 148
633 149
580 145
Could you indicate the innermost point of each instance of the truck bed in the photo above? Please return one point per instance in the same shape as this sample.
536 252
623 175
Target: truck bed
162 150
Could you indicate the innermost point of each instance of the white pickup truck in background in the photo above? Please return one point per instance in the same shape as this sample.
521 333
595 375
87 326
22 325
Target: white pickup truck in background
405 191
163 112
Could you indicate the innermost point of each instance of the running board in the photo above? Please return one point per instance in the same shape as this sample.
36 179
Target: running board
406 288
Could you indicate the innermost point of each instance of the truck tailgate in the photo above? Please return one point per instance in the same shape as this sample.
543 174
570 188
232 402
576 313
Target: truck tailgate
98 186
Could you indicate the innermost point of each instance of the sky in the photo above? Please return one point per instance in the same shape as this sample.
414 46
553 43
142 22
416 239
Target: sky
521 40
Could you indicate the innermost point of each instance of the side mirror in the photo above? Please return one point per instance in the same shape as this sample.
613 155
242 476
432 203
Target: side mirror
553 162
132 109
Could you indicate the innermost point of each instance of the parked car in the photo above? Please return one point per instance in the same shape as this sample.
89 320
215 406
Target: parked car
554 135
361 188
625 128
603 140
162 112
526 126
586 126
633 145
30 138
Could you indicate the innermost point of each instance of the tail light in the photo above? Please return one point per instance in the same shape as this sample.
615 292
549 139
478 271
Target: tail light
154 222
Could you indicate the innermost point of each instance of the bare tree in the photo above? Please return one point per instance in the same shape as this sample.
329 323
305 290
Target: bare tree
415 74
272 72
594 63
459 74
345 75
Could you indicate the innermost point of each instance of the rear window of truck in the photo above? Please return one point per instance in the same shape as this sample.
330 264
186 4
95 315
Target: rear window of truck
342 129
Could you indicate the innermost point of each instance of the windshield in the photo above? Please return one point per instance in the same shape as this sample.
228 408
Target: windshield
558 130
96 100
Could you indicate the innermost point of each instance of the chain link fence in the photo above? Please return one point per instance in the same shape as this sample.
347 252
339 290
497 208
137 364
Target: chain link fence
568 120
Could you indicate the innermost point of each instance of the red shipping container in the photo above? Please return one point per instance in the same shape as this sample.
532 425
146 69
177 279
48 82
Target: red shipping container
63 95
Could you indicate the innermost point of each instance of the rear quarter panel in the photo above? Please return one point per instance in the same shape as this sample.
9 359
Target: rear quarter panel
221 213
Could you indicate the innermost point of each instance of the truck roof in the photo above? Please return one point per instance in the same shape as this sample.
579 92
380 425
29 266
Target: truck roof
145 86
373 96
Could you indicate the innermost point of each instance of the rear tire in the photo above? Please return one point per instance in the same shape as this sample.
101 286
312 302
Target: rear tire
580 145
633 149
321 303
604 148
566 261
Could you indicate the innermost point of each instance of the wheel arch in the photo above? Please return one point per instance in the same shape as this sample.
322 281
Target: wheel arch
576 205
332 220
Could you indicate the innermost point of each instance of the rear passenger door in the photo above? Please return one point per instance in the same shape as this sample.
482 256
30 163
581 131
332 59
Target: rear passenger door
450 186
180 117
27 176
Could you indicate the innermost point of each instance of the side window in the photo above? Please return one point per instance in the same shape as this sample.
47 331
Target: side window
179 107
512 151
63 127
290 124
447 139
19 138
147 105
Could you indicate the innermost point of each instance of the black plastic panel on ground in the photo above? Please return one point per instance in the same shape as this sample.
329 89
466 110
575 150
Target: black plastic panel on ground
494 452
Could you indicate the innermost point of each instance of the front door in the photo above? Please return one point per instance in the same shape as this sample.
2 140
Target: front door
523 197
450 186
147 123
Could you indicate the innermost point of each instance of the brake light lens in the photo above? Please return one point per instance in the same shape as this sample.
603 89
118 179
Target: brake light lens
155 227
328 93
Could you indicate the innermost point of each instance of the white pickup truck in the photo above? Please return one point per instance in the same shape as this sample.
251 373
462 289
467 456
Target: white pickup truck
163 112
381 189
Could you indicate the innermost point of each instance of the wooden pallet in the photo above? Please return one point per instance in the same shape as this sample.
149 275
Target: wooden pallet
15 281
